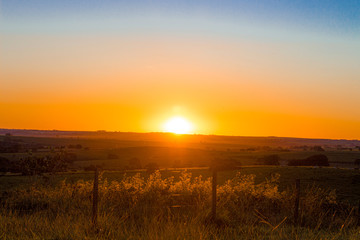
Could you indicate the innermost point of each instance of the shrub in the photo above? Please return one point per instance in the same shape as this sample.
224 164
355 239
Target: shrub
137 200
34 165
315 160
77 146
317 149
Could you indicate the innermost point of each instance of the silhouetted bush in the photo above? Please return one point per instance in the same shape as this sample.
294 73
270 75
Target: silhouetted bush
315 160
317 149
77 146
34 165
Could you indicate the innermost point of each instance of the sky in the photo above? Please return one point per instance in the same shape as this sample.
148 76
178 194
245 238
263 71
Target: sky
248 68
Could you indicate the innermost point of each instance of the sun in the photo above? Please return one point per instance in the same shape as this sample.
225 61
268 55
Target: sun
178 125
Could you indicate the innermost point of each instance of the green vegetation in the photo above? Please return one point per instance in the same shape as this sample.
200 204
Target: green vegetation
114 151
46 188
314 160
169 207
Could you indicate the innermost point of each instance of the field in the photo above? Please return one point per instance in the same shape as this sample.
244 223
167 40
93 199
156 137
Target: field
118 151
345 181
253 201
143 206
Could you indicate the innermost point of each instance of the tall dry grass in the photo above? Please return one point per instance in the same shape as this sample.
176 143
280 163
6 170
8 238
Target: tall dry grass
162 208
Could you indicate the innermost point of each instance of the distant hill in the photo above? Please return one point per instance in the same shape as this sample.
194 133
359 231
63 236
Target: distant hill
236 141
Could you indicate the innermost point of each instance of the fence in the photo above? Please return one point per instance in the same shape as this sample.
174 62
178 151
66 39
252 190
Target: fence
213 198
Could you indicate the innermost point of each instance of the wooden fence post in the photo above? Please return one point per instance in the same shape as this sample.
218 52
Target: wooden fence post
297 200
214 181
358 215
95 197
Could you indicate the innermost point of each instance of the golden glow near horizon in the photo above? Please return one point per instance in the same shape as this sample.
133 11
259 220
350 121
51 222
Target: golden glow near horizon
178 125
134 72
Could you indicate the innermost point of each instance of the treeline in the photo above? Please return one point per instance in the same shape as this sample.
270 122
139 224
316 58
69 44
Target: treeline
314 160
37 165
13 144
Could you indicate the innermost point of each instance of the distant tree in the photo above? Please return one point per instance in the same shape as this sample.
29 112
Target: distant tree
315 160
305 148
317 149
7 137
318 160
266 148
35 165
251 149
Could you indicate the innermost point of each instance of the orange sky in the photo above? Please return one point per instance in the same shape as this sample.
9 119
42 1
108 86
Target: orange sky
249 80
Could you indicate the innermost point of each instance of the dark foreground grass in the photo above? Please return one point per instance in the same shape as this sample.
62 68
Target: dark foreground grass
168 207
110 227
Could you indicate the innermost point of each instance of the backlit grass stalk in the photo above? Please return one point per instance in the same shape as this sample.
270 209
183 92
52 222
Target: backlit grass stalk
162 208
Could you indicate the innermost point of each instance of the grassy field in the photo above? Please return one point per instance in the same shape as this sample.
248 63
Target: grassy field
253 203
346 182
169 157
193 149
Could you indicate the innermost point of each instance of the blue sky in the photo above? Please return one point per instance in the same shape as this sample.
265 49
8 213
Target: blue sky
335 16
283 61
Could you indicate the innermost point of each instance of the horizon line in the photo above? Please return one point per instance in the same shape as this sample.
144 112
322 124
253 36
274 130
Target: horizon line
187 134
